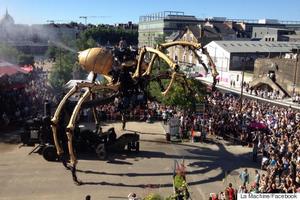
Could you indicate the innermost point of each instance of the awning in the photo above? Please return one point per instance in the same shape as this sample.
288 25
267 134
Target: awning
27 68
10 69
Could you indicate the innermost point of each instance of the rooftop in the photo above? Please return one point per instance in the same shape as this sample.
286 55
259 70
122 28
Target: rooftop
166 15
256 46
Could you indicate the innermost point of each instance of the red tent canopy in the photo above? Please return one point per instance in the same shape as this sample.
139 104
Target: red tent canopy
27 68
10 69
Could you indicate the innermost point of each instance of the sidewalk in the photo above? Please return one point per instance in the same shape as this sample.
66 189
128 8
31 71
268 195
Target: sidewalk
223 86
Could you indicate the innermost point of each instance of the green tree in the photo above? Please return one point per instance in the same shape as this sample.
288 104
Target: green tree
66 66
85 42
24 59
51 52
180 95
184 94
8 53
62 71
104 35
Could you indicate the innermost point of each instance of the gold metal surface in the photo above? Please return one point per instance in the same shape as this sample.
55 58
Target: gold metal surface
212 64
149 69
98 60
71 125
140 60
182 43
55 119
170 84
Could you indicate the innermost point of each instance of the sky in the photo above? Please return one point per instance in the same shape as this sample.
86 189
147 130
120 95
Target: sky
122 11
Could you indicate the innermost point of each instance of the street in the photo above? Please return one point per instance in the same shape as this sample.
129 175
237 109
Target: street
24 176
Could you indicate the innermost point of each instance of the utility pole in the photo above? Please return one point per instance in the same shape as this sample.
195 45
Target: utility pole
242 88
296 69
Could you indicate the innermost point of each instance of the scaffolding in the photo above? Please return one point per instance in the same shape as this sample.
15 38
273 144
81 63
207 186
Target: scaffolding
162 15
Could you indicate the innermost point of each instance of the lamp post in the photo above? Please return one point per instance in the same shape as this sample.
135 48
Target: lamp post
242 87
296 69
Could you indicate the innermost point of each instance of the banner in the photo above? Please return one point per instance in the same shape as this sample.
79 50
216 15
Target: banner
269 196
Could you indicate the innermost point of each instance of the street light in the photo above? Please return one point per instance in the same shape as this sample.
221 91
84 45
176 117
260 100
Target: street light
242 86
296 69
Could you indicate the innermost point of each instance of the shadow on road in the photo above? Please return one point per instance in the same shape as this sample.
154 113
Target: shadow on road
201 161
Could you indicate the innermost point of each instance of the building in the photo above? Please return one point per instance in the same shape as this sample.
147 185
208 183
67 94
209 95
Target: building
203 33
127 26
155 26
7 20
275 34
248 25
34 39
279 74
233 57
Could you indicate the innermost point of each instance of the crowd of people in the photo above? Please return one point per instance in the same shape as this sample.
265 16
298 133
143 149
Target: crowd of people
21 103
273 132
266 92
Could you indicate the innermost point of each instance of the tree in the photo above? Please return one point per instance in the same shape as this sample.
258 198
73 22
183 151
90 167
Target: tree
62 70
84 42
104 35
66 66
182 94
51 52
8 53
11 54
24 59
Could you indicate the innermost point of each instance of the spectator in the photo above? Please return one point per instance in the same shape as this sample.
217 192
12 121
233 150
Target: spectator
244 176
230 192
257 177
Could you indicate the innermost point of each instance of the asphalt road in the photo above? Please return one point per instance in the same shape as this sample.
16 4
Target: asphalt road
24 176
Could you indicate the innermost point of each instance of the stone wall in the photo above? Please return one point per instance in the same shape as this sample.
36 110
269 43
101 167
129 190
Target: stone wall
284 70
